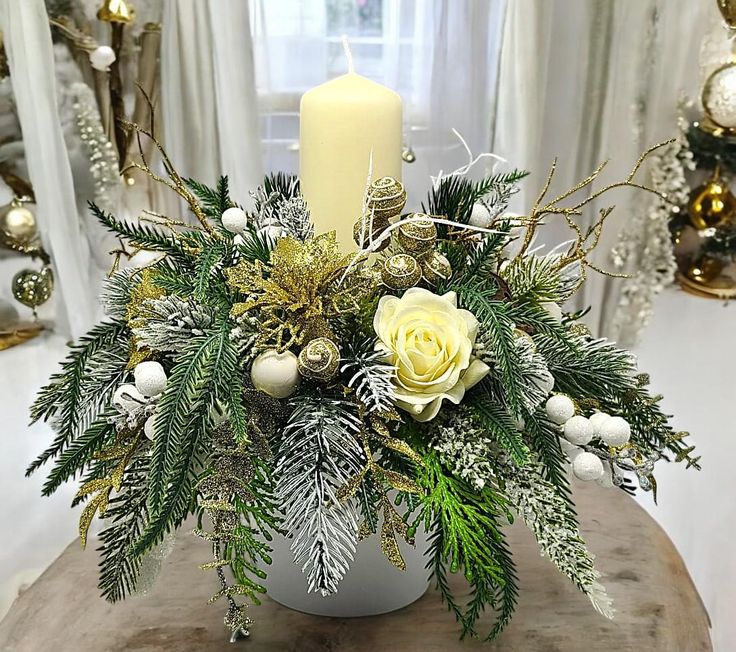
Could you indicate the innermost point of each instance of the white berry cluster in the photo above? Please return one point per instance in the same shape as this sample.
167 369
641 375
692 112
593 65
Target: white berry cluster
138 401
579 431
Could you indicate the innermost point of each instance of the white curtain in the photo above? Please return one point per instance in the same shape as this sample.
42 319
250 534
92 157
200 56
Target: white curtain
588 80
208 93
28 44
445 80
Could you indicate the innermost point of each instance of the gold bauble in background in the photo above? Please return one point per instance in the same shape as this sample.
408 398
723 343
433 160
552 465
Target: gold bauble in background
711 204
728 11
365 232
116 11
705 269
32 288
18 222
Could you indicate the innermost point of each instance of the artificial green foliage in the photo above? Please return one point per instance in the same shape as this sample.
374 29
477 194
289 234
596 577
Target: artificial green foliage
341 459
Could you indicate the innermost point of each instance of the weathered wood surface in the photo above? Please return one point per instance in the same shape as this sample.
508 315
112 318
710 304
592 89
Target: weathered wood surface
657 605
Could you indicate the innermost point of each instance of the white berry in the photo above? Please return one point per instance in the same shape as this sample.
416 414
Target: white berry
149 427
127 398
559 408
553 310
587 467
276 374
150 378
597 419
480 216
234 220
615 431
578 430
102 57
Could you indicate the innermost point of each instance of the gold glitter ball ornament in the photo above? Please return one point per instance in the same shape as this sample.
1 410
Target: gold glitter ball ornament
18 222
32 288
401 272
418 235
364 232
319 360
435 268
386 198
711 204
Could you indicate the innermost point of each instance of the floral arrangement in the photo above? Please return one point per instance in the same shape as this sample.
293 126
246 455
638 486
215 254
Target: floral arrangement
257 375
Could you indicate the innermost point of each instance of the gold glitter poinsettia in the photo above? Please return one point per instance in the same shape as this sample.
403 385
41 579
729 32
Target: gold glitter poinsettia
298 291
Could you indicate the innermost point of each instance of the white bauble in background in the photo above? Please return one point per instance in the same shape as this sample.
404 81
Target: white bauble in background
150 378
597 419
578 430
102 58
615 431
235 220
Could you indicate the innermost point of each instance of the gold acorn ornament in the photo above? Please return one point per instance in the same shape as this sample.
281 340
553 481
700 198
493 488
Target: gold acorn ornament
435 268
319 360
32 288
116 11
386 198
418 235
712 204
401 272
18 222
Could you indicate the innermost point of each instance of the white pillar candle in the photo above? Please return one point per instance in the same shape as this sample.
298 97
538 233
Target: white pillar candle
345 124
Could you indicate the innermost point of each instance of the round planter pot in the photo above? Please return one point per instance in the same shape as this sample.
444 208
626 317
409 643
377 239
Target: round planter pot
372 585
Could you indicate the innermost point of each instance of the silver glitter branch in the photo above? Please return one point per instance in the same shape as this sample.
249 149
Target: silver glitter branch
644 251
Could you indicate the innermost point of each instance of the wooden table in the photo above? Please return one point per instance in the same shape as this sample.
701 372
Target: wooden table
658 607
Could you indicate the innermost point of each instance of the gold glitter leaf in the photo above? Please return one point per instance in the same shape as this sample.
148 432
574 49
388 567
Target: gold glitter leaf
400 446
145 289
365 530
351 486
389 546
401 482
98 503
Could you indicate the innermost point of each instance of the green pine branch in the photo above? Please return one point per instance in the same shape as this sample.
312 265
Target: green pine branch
65 399
490 415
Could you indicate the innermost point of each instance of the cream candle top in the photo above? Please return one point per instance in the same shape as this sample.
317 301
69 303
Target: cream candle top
343 123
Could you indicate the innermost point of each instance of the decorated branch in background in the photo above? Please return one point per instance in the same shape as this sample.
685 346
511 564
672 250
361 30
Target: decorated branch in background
262 379
30 287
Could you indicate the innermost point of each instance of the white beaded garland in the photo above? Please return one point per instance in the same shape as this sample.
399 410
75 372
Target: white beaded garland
127 398
276 374
597 419
150 378
559 408
615 431
587 467
102 57
578 430
149 427
235 220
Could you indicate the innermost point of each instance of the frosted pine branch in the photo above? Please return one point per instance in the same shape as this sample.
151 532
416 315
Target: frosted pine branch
369 376
318 454
171 323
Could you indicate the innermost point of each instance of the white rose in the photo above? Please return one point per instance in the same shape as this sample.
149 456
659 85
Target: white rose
430 342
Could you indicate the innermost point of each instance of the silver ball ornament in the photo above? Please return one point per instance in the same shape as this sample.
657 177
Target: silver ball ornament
276 374
559 408
150 378
578 430
615 431
587 467
234 220
18 222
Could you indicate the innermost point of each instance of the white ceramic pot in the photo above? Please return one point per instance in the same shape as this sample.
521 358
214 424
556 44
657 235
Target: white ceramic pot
372 585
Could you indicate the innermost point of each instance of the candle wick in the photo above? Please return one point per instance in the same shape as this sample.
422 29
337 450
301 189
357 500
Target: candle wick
348 53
